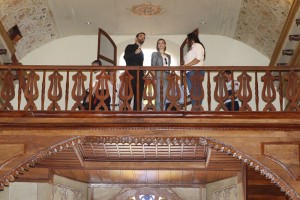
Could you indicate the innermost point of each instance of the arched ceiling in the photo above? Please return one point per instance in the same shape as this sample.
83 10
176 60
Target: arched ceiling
257 23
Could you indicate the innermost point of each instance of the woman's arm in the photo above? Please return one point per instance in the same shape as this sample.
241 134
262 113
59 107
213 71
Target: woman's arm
193 62
154 59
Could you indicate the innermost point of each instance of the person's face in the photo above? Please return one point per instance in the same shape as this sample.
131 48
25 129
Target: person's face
228 76
161 45
96 64
140 39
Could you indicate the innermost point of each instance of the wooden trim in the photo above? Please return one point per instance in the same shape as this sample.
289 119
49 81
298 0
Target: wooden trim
100 33
79 155
7 40
295 60
285 32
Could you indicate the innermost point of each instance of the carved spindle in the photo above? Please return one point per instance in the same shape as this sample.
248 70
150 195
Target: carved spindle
256 92
43 90
268 91
220 92
138 95
161 90
31 91
21 87
90 89
102 90
245 92
280 91
184 90
173 91
208 91
7 91
67 90
150 91
55 90
197 91
126 92
292 91
78 90
114 83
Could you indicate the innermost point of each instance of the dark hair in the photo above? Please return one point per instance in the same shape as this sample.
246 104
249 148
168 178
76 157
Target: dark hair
227 72
98 62
193 37
137 35
160 39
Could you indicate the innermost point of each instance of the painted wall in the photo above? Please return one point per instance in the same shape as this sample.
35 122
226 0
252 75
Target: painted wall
82 50
62 188
224 189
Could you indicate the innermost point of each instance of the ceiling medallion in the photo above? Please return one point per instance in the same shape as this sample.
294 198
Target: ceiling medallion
147 9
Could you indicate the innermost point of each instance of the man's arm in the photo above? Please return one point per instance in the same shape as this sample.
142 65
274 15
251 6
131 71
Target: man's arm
129 52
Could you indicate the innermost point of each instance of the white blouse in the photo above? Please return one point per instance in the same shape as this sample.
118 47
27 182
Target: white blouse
196 51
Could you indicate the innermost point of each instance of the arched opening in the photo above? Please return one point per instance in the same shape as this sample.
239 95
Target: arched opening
118 157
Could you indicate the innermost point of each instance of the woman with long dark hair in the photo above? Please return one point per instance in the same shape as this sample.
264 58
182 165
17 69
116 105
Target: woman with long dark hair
194 57
161 58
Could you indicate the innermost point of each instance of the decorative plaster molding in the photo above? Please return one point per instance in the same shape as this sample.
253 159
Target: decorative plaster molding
63 192
260 23
226 193
34 21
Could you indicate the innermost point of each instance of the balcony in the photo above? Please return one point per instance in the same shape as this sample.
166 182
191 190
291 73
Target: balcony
43 114
63 88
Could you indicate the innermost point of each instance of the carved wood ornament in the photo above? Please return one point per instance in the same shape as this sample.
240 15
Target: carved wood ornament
199 141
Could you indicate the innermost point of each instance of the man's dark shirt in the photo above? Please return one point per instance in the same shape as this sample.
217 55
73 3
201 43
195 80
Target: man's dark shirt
131 58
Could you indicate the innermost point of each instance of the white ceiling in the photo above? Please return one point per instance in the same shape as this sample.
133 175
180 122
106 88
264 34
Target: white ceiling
257 23
114 16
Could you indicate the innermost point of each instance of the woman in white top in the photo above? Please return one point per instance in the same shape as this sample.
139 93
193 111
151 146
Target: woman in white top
194 57
161 58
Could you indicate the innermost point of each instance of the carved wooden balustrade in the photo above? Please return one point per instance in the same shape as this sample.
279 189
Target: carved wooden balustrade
63 88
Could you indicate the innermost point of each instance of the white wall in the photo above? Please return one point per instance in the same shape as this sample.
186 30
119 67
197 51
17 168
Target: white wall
61 188
82 50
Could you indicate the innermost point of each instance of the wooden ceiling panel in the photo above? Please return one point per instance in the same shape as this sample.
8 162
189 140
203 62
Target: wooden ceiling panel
172 177
176 176
79 175
105 175
94 176
116 176
141 164
187 177
164 176
199 177
128 176
141 176
152 176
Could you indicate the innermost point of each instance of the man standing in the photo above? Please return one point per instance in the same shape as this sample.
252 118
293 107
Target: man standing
134 57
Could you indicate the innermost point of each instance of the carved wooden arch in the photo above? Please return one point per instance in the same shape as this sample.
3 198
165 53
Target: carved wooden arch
200 141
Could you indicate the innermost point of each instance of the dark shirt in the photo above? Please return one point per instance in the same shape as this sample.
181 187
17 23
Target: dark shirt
131 58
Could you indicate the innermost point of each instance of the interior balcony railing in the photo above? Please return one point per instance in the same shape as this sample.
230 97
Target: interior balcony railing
66 88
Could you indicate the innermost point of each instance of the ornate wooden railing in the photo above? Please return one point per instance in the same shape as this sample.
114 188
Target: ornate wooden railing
63 88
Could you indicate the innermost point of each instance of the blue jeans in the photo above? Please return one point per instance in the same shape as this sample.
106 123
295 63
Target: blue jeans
196 90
